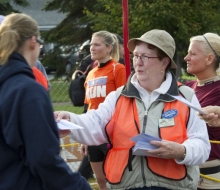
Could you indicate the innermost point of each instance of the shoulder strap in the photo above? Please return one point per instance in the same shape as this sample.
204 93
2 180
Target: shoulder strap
187 92
90 67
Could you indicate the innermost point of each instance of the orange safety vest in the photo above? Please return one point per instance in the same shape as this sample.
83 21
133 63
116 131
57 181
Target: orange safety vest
125 124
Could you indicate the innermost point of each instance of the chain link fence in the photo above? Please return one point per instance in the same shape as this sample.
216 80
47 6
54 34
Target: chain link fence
70 150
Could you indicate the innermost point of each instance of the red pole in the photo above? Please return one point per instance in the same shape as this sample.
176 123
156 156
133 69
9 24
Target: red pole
126 36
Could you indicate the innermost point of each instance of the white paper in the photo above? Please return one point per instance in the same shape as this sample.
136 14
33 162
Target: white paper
144 138
66 125
181 99
140 148
143 144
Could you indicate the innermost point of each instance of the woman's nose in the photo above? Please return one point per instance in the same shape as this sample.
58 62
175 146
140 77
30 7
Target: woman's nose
186 57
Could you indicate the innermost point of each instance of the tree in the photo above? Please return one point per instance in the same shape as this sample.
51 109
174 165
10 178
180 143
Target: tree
6 8
182 19
72 31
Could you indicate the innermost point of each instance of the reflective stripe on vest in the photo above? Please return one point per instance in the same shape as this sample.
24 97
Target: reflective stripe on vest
119 131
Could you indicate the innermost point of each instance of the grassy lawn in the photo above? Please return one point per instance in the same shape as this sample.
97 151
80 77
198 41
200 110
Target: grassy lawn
93 183
60 98
59 91
70 108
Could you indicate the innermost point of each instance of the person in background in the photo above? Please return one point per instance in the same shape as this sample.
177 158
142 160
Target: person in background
121 49
29 141
144 106
86 65
41 68
40 77
107 76
203 61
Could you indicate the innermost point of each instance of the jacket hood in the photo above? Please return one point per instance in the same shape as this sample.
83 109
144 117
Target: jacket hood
15 65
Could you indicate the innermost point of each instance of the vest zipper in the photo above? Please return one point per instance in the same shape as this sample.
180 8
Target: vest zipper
142 170
142 157
145 120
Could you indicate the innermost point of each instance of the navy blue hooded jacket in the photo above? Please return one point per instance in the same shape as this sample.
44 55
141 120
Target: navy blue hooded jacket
29 140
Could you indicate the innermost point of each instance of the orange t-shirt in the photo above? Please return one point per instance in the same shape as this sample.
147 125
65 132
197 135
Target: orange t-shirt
103 80
39 76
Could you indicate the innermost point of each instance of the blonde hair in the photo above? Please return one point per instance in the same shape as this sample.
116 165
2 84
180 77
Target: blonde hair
15 29
213 41
110 40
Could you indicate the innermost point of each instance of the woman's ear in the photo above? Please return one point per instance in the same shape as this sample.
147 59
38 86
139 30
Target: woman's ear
110 48
210 59
166 61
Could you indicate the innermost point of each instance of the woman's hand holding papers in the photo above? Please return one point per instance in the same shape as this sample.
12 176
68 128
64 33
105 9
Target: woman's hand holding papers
168 149
62 115
212 118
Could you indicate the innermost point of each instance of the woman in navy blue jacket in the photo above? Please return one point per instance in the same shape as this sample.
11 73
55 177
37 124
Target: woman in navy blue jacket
29 140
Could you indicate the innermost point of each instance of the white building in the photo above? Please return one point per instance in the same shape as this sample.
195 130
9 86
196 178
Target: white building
45 19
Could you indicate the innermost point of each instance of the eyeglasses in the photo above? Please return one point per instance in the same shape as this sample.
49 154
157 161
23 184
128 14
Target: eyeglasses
142 57
41 42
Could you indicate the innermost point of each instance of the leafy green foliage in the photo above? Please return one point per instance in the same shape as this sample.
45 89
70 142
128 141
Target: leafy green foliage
182 19
6 8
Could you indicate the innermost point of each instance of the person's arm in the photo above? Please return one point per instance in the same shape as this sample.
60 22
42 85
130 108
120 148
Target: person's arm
197 145
94 122
212 116
39 134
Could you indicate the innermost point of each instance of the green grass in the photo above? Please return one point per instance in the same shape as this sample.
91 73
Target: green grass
60 97
93 183
59 91
70 108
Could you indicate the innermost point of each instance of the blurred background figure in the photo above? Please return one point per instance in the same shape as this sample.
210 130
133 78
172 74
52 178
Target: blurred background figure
203 60
107 76
86 65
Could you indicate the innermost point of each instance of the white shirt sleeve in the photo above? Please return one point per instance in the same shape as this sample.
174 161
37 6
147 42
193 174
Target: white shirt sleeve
94 122
197 145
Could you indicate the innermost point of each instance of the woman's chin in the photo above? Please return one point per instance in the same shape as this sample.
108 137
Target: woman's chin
189 71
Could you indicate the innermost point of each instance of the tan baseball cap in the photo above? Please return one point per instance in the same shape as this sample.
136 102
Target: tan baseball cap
159 38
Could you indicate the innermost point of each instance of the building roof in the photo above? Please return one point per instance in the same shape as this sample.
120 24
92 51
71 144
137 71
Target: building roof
45 19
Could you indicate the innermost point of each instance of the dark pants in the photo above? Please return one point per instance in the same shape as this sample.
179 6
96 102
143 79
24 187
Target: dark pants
85 168
150 188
